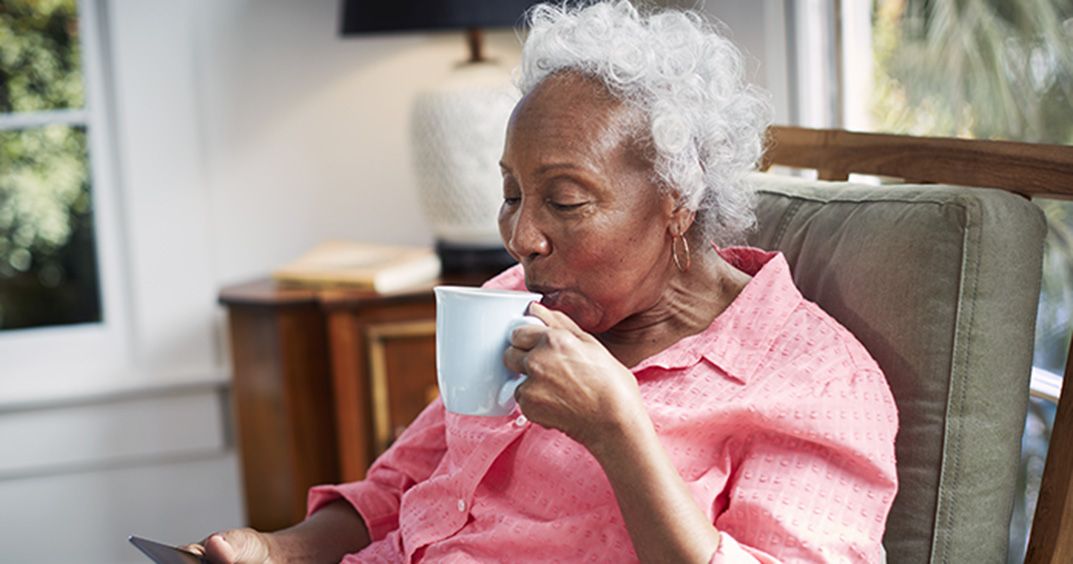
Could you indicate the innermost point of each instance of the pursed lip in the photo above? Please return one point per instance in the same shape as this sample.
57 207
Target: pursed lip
549 293
541 288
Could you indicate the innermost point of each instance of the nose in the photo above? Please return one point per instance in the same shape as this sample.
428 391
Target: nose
526 240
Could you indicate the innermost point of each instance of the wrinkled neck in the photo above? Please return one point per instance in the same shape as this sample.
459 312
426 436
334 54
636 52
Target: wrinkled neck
691 301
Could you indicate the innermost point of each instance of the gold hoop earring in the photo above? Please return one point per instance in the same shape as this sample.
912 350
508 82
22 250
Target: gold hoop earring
674 253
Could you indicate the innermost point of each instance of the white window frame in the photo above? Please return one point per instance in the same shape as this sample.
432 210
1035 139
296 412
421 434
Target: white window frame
858 79
814 70
65 359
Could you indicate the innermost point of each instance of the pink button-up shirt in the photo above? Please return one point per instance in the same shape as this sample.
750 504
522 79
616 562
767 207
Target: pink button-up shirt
777 419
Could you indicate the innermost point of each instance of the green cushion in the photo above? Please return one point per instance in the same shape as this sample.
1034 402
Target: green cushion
940 284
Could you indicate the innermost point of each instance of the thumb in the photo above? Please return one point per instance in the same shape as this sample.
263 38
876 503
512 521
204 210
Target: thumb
556 319
236 546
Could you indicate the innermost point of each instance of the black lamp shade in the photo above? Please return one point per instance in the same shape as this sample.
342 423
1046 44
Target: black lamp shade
384 16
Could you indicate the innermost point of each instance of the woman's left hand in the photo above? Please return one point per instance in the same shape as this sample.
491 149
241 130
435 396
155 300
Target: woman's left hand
574 384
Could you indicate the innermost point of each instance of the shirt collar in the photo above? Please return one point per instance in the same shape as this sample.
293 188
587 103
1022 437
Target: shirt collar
741 336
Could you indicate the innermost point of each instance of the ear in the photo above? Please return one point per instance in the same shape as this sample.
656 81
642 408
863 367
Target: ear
679 218
682 219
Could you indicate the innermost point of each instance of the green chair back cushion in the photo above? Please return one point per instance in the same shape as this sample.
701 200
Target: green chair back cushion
940 284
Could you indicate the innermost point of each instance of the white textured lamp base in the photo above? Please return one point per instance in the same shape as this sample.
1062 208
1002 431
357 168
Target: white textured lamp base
458 128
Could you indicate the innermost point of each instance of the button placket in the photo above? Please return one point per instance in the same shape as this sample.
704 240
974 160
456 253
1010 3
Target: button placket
454 510
478 464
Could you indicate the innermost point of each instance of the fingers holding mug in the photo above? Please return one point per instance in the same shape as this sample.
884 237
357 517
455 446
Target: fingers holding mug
526 331
514 359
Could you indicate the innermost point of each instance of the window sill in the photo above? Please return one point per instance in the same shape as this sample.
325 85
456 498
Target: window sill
131 384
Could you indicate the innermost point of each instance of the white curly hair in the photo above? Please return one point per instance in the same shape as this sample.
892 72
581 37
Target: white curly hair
705 125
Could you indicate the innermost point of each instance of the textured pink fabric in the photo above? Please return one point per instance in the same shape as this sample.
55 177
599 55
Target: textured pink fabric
779 422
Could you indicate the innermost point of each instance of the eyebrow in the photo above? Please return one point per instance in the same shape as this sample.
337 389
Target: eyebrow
551 167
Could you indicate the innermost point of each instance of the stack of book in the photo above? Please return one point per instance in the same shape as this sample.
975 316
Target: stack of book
364 266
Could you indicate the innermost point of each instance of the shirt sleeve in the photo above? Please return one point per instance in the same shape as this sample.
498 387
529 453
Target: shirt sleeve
410 459
816 478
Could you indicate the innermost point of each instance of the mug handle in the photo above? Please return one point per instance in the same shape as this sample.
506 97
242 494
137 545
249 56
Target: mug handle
506 393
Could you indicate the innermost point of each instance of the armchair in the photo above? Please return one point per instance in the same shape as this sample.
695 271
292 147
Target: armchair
941 284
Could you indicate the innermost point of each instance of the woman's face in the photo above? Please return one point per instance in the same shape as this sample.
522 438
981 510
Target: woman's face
580 210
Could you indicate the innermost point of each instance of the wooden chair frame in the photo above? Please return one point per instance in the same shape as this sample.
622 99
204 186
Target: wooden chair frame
1032 170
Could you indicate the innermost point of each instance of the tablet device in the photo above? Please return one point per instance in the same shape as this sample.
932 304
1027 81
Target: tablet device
164 554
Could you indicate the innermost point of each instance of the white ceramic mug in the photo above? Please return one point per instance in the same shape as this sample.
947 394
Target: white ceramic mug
473 327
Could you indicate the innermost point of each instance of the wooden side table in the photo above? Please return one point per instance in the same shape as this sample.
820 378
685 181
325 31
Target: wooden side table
383 356
323 382
281 392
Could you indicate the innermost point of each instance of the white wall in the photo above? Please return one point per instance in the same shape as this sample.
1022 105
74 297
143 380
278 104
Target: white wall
759 29
306 133
77 478
245 132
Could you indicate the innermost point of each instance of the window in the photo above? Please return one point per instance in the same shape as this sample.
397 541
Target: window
61 316
987 69
48 262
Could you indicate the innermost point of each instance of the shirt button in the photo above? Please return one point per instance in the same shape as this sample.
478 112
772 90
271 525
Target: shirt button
461 505
520 421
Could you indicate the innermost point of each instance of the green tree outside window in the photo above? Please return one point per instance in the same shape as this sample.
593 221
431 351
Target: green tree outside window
48 264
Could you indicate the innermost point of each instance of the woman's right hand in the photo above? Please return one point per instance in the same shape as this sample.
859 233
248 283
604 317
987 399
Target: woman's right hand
327 535
235 546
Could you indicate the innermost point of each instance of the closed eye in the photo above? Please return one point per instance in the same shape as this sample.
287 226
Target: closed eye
566 207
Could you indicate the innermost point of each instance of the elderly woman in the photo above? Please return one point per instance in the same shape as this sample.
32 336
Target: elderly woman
684 402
